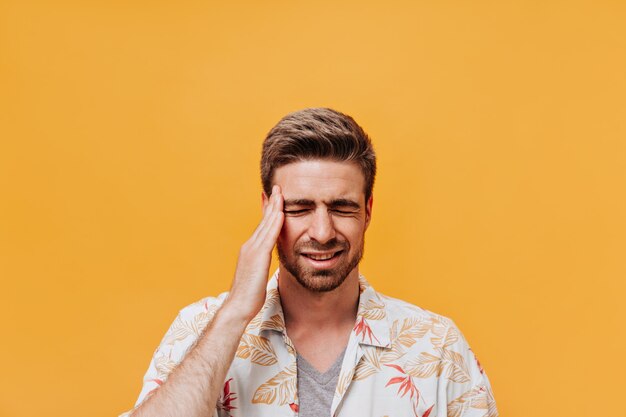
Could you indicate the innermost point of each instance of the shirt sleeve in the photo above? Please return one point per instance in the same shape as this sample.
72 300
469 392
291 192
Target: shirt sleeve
178 340
467 389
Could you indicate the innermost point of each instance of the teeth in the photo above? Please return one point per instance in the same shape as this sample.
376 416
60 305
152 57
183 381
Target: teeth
320 257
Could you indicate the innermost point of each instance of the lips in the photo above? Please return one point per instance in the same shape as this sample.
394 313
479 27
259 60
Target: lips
325 256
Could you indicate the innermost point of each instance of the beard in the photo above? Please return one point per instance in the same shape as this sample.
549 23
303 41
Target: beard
320 280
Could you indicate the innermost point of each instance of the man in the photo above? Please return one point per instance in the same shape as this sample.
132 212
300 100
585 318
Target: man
317 340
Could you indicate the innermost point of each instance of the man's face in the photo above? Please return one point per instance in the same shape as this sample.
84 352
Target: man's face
326 216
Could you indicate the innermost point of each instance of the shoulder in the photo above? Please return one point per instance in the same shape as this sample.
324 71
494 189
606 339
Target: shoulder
182 333
204 305
192 319
400 309
424 333
431 342
431 348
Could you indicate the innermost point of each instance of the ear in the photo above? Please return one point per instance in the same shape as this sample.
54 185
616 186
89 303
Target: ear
264 201
368 211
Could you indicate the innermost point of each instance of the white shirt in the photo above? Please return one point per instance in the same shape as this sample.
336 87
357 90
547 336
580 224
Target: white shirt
401 360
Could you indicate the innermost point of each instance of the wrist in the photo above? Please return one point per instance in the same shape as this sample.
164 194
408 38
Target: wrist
234 315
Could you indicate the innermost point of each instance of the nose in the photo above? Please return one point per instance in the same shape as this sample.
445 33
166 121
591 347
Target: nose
321 228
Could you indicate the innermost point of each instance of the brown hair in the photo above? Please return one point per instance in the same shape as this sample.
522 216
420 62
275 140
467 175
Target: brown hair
318 133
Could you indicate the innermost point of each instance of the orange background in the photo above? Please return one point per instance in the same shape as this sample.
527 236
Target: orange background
130 140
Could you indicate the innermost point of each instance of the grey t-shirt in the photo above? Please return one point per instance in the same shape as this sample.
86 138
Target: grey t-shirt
316 390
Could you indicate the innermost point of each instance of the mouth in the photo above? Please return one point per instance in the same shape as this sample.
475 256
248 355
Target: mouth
322 256
322 259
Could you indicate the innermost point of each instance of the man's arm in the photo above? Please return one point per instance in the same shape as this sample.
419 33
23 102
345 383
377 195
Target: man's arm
193 387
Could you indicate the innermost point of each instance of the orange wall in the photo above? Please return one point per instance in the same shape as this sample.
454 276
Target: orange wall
130 134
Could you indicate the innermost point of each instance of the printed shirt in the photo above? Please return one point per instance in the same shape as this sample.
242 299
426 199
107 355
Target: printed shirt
401 360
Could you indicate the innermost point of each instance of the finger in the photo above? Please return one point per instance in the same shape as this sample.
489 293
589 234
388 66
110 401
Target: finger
280 198
268 236
274 230
276 215
267 213
267 239
279 195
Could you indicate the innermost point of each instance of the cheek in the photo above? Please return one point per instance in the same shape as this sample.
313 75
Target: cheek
351 229
289 230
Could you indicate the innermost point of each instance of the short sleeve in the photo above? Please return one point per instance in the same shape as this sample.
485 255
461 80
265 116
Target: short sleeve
467 389
178 340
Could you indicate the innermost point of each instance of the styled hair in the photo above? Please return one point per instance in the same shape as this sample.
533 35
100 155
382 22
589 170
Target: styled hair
317 133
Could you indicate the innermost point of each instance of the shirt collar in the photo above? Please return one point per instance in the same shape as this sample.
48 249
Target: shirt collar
271 315
372 324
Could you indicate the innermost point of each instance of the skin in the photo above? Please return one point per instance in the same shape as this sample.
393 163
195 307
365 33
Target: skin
318 319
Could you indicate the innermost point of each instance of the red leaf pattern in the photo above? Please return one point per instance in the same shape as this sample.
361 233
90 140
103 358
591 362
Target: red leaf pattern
226 399
364 330
427 412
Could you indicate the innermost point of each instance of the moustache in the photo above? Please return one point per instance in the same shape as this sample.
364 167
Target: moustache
330 246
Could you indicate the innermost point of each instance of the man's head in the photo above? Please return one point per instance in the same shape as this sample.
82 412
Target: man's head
325 165
317 133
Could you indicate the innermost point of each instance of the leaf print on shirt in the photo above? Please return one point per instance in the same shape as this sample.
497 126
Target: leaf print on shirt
281 387
343 382
427 365
480 367
404 336
373 310
274 323
427 412
164 366
369 364
492 410
224 403
272 298
255 322
406 383
181 329
456 368
257 348
362 328
406 386
444 337
478 398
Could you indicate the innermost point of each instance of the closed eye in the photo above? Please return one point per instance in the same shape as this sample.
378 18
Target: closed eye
295 211
344 212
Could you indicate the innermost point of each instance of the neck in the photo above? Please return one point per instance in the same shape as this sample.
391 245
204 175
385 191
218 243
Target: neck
303 308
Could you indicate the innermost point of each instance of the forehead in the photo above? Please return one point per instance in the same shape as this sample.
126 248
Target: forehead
320 179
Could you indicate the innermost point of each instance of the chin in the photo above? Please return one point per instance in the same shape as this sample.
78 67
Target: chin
320 283
323 280
319 280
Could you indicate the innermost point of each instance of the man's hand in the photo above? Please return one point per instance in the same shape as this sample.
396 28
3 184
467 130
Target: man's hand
247 293
193 387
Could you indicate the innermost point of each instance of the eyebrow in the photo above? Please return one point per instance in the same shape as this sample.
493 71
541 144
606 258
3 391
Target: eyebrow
338 202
